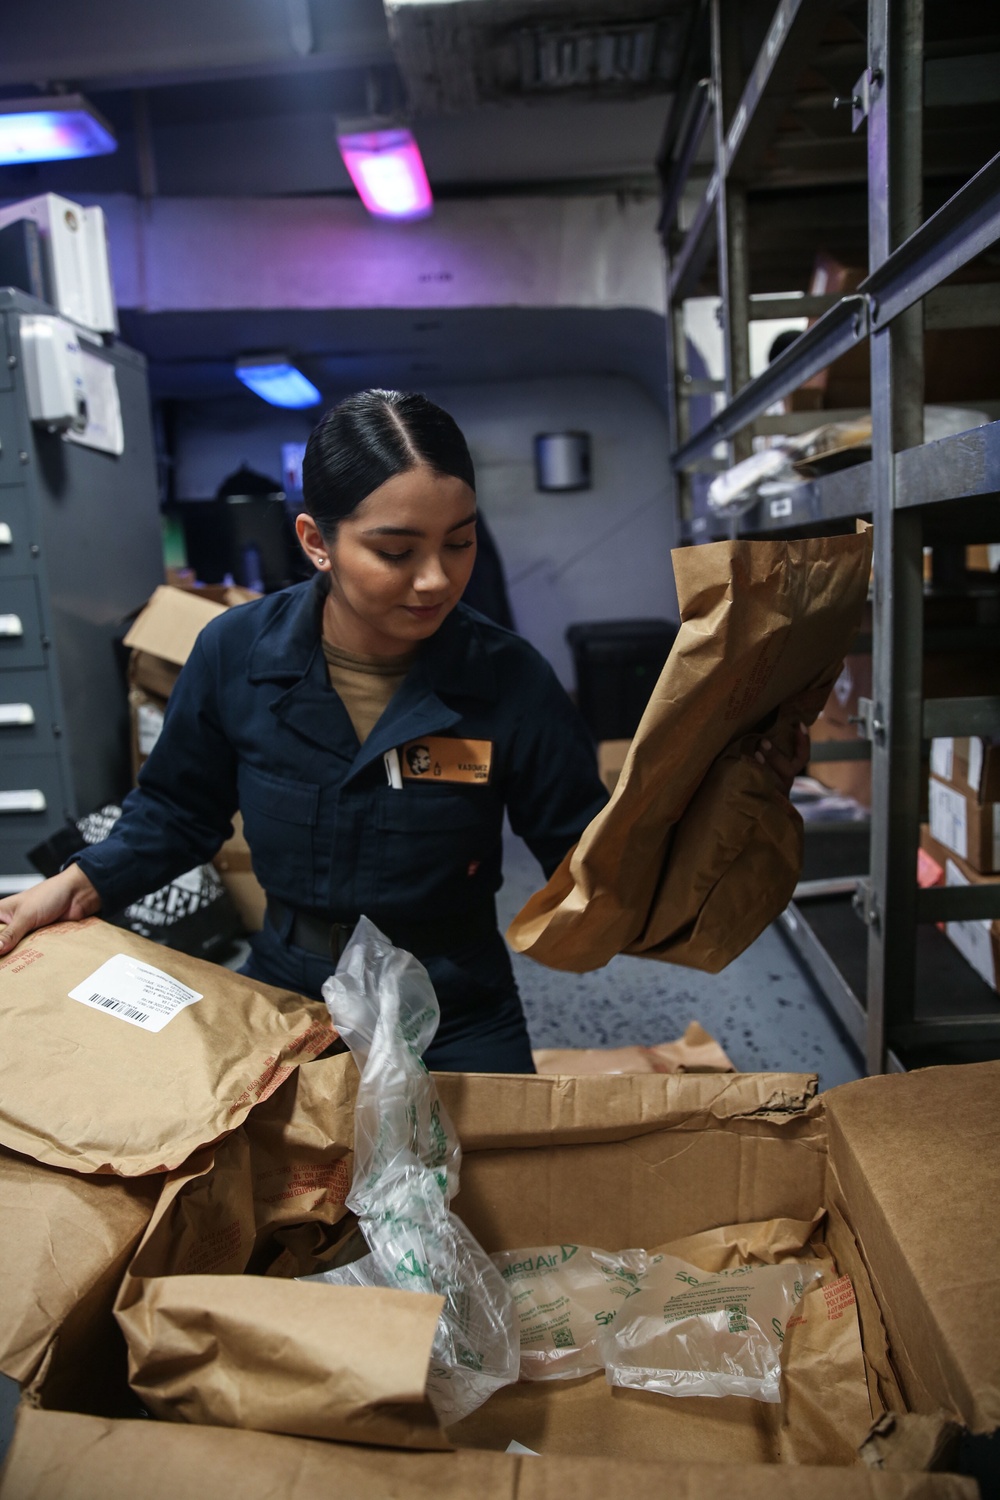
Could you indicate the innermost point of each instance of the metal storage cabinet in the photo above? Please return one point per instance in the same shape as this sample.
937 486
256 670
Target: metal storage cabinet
79 550
942 493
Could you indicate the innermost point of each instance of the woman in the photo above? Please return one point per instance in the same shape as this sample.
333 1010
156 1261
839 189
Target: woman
372 731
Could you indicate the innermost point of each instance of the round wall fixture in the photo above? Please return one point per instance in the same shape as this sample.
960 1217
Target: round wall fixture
562 461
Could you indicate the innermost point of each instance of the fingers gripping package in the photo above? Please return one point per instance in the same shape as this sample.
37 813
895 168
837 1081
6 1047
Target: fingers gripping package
653 1322
406 1170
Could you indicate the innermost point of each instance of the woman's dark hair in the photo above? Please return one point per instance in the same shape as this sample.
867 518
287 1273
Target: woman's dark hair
369 438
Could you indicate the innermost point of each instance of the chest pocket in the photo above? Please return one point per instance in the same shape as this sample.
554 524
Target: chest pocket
279 818
427 834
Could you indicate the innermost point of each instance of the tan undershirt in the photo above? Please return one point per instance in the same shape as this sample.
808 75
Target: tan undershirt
365 683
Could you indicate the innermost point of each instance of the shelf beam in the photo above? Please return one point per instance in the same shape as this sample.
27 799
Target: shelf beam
958 903
965 226
944 717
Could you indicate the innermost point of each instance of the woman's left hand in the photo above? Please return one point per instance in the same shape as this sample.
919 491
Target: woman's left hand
785 768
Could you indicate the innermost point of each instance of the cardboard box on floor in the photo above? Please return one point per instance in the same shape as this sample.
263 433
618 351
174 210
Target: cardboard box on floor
906 1167
161 639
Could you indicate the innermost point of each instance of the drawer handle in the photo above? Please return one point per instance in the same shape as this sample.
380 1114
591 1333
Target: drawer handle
10 625
6 535
28 800
15 714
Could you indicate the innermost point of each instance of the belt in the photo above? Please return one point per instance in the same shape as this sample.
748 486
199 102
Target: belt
327 937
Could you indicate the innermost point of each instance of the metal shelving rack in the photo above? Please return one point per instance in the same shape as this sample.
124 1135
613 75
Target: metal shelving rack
916 493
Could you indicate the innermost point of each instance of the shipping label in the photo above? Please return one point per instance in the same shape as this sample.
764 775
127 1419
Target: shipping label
949 824
972 938
132 991
943 758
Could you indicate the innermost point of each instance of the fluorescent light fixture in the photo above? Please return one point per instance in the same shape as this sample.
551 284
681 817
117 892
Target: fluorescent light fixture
56 128
388 172
275 379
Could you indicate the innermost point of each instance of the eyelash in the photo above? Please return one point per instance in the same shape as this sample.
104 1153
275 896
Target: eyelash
398 557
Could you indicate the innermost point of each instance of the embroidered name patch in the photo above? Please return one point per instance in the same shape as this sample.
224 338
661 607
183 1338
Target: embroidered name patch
438 758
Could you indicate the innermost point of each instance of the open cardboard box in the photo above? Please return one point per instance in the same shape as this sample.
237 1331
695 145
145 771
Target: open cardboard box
161 639
906 1167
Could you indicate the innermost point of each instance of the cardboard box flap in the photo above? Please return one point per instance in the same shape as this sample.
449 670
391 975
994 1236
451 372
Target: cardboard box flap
917 1159
62 1456
171 623
559 1110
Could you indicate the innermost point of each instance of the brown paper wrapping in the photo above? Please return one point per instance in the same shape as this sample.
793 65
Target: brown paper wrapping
65 1241
695 1052
698 851
208 1343
117 1098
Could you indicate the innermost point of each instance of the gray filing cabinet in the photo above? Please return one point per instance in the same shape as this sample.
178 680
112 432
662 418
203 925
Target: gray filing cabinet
80 549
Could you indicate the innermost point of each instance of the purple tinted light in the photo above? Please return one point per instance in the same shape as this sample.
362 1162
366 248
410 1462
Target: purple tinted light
52 135
388 172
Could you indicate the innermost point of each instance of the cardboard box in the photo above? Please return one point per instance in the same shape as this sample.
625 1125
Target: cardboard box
161 639
904 1166
970 765
61 1456
610 761
965 826
978 940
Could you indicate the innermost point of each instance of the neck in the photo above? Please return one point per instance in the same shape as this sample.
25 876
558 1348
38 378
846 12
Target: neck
344 629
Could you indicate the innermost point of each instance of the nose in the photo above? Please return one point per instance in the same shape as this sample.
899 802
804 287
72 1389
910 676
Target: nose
432 577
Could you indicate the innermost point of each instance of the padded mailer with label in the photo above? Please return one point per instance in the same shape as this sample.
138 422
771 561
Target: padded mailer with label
117 1055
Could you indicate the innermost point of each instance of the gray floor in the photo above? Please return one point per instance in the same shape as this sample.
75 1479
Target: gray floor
763 1009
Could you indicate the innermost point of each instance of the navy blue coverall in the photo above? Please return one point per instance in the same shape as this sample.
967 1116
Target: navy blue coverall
254 724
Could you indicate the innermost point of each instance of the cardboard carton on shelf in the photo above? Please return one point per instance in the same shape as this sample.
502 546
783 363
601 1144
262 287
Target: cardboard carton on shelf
945 675
971 765
965 826
905 1167
161 639
977 939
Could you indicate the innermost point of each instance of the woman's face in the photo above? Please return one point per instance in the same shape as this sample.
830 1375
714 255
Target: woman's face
399 564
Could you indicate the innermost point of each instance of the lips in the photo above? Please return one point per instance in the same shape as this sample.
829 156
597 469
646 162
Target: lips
423 612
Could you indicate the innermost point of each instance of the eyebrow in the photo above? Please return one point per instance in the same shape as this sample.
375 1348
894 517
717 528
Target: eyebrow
412 531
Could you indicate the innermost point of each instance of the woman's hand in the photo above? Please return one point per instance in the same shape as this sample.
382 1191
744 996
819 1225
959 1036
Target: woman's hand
785 768
67 897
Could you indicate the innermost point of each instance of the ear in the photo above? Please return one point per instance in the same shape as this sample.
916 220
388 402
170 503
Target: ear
312 543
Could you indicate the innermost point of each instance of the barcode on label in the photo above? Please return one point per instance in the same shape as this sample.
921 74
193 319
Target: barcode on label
106 1002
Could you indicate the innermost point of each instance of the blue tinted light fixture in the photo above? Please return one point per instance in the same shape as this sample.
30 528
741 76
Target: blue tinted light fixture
274 378
56 128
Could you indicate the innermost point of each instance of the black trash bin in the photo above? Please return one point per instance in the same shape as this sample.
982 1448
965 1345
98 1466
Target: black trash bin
617 663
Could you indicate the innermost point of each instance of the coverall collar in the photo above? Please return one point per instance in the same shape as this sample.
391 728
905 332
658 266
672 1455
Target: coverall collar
452 663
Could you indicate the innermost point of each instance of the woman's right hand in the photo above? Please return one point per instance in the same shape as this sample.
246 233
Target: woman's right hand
66 897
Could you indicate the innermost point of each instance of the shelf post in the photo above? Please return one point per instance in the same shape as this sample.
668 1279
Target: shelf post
895 210
731 212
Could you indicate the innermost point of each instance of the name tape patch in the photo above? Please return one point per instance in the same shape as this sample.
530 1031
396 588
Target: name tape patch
438 758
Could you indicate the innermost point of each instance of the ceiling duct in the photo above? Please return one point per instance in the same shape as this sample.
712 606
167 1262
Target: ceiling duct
455 55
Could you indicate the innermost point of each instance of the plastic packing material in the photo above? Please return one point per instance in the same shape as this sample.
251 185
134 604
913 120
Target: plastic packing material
406 1167
691 1334
653 1321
